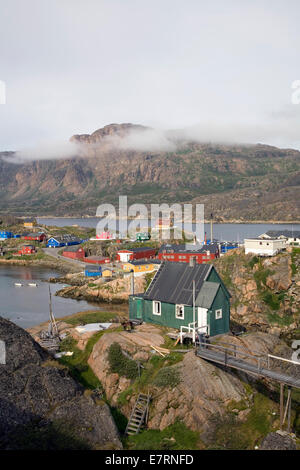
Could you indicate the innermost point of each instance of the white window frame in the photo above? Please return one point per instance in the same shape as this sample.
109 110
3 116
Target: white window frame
176 316
155 302
218 314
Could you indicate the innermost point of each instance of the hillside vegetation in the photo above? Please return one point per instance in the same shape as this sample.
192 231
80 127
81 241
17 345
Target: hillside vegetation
254 182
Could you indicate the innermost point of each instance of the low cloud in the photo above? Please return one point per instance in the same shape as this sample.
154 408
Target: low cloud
144 140
280 129
45 151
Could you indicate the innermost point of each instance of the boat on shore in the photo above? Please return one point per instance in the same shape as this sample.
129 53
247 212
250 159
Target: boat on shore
18 284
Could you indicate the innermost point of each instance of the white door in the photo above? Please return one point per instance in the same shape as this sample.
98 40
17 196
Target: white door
202 319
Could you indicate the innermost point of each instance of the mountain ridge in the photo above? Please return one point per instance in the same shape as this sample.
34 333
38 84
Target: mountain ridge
240 182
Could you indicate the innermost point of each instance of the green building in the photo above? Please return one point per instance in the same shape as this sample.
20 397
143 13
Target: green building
168 300
142 236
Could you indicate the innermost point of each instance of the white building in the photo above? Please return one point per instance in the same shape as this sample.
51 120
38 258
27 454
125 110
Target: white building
292 237
264 247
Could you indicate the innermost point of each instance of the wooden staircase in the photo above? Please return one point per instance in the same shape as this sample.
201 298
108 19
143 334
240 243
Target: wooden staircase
139 414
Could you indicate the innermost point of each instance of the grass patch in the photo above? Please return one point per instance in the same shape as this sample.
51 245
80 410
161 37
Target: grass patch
273 300
174 437
78 363
274 318
121 364
254 260
231 434
90 317
167 377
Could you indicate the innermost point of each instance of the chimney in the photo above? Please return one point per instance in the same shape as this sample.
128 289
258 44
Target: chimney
192 261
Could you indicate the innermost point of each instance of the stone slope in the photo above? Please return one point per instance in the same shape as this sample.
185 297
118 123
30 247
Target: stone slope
204 391
40 399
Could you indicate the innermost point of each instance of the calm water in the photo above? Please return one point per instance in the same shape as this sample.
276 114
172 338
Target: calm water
28 306
223 232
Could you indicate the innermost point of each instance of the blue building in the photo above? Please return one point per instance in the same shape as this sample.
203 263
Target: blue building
92 271
63 240
226 246
4 234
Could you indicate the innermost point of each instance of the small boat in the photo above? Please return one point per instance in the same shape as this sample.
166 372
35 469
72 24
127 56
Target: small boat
18 284
32 284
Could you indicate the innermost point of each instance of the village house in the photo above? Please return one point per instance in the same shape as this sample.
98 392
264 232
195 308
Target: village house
183 253
74 252
185 295
136 253
264 247
5 234
292 237
29 222
26 250
105 236
140 267
142 236
107 273
92 271
38 237
63 240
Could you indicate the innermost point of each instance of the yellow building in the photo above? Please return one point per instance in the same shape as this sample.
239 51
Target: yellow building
29 223
141 266
107 272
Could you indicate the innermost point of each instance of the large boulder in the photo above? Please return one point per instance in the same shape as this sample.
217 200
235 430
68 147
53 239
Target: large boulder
278 441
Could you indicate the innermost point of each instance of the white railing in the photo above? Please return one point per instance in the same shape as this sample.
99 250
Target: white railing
192 328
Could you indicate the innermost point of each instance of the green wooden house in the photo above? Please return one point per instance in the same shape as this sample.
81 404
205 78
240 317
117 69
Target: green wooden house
174 300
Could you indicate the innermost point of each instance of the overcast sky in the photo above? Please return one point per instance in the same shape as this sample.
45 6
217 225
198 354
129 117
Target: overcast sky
73 66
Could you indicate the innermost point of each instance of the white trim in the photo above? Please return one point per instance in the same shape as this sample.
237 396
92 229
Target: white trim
218 314
154 302
176 315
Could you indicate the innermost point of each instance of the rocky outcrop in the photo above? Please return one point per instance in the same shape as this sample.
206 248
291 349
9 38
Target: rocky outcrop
278 441
116 291
41 403
265 291
204 390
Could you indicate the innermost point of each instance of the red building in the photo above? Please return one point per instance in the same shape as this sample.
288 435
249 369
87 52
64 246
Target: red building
183 253
74 252
27 250
104 236
136 253
38 237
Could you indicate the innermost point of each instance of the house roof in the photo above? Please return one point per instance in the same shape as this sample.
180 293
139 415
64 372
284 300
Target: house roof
284 233
92 268
137 250
189 248
137 262
65 238
73 248
173 282
207 294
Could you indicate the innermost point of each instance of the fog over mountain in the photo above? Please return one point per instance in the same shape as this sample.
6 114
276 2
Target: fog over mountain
222 70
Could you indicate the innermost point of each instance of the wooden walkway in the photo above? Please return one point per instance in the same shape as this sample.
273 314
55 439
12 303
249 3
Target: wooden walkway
239 358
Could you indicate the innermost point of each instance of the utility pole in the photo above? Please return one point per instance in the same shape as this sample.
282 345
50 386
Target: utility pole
211 227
